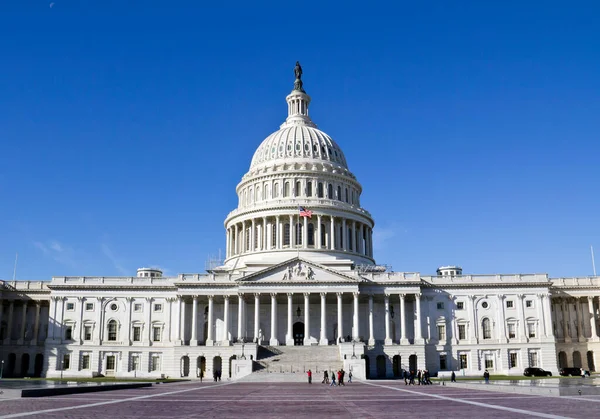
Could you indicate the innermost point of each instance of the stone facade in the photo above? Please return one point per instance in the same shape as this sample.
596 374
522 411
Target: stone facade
299 270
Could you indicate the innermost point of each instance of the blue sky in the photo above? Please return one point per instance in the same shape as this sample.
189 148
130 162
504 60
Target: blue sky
125 127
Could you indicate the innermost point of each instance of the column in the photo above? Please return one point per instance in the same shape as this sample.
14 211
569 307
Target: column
523 332
306 318
473 322
209 322
194 341
149 319
240 331
227 243
51 326
319 233
226 339
418 330
252 236
98 326
36 325
177 327
61 316
354 238
579 312
242 248
235 240
332 235
371 335
565 319
403 338
340 334
323 338
273 341
541 316
355 332
289 338
305 234
264 235
128 301
278 232
292 233
344 235
386 302
256 318
269 233
170 300
21 338
593 326
501 332
182 317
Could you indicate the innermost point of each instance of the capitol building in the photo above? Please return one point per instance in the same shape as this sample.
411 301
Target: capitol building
298 289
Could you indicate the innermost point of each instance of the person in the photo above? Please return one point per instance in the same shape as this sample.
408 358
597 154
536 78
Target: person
350 376
325 378
215 375
486 377
405 376
419 376
201 375
453 377
333 380
309 376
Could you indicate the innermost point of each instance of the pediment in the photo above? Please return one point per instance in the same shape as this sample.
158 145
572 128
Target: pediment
298 271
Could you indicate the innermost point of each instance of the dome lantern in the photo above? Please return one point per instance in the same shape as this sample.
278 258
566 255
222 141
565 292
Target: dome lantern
298 102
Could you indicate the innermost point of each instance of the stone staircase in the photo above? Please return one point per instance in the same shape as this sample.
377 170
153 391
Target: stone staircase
290 363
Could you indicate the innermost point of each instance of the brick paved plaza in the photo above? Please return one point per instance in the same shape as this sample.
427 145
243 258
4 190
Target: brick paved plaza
379 399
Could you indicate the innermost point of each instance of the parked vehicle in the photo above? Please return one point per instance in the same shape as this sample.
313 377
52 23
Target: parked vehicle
536 372
575 372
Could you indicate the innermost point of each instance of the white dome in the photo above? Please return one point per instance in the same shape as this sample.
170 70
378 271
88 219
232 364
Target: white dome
298 143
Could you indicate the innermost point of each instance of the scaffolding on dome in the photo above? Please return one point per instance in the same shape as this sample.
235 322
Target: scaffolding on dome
213 262
373 268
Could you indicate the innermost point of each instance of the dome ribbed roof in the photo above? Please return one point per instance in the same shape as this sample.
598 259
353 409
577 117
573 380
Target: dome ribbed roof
298 143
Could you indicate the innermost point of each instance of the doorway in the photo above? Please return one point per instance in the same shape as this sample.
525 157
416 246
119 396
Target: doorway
298 332
380 366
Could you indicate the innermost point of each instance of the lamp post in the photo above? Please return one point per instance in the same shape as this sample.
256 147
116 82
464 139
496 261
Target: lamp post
1 369
243 356
62 367
353 353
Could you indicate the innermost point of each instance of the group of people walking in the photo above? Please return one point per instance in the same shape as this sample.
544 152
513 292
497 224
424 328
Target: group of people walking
422 377
337 378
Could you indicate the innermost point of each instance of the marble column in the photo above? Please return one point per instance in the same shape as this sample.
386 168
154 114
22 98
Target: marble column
209 323
386 302
292 233
473 322
240 331
323 338
418 331
580 323
278 232
332 234
149 319
194 341
273 341
541 317
289 338
36 326
403 337
226 340
21 338
305 232
306 318
257 318
253 236
371 335
501 320
235 240
340 336
565 319
264 235
593 326
344 236
128 302
182 317
319 233
356 331
11 308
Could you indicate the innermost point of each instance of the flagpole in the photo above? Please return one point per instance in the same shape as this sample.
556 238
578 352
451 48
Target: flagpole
593 262
15 270
298 235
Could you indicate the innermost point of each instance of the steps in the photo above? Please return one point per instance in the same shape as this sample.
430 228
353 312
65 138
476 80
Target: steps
290 363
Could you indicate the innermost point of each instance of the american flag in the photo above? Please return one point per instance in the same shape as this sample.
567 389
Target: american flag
304 212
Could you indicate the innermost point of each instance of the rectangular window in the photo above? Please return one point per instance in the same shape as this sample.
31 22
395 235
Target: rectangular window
87 333
533 359
529 303
85 362
460 305
531 330
135 363
462 331
509 304
513 360
89 306
137 333
155 363
110 363
70 306
443 361
69 333
463 361
440 306
489 361
157 307
156 333
512 330
66 361
441 332
137 307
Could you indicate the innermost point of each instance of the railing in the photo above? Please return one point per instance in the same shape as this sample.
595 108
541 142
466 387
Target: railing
486 279
91 280
294 202
589 281
26 285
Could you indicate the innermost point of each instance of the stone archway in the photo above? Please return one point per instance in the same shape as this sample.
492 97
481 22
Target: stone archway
24 365
397 363
590 361
39 365
562 360
201 367
185 366
412 363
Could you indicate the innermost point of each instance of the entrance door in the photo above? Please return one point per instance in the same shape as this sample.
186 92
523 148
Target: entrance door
298 332
110 365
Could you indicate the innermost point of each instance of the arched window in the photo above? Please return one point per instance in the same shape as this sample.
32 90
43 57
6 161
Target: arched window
251 195
112 330
308 188
298 188
339 193
286 190
276 190
320 190
265 191
257 197
311 234
286 235
487 328
330 191
245 197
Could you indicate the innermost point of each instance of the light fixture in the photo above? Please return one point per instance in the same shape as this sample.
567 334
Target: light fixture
299 311
392 312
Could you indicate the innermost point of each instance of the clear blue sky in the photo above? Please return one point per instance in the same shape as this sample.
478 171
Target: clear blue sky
125 127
